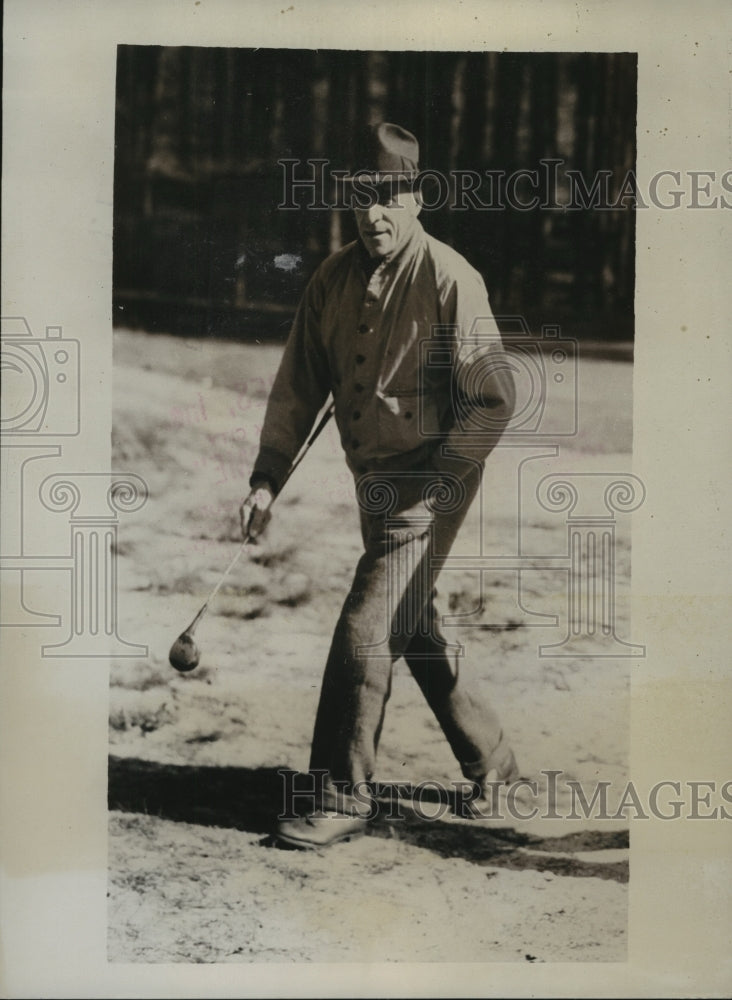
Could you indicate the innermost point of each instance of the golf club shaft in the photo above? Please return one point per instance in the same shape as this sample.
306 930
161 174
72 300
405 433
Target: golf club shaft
300 456
191 628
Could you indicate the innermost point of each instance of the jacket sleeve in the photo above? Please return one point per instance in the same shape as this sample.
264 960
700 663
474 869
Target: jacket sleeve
483 394
300 388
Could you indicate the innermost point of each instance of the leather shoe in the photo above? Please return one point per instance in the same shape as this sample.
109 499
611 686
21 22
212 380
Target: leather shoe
502 770
319 829
502 766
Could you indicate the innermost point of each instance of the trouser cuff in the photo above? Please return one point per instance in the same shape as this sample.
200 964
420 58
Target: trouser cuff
347 798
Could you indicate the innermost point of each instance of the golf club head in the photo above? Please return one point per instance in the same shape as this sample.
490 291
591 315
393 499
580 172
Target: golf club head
184 653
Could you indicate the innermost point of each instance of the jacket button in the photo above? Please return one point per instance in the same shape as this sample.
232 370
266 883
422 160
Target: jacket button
360 359
355 444
356 414
408 415
363 328
358 387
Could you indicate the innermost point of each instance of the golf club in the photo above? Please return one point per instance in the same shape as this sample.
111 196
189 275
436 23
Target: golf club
184 654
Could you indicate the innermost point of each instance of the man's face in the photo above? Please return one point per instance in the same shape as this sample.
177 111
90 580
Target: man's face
386 225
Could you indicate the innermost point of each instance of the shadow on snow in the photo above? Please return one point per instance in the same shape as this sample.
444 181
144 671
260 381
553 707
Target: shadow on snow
249 799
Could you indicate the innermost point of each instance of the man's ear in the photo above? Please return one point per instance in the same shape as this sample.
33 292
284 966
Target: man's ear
417 193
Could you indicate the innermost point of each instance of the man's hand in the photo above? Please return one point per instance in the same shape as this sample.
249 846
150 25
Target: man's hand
254 512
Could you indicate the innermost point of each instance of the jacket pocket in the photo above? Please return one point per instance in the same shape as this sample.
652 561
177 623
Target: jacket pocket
407 420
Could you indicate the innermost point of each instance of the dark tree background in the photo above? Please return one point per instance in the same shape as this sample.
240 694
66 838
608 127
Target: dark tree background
200 245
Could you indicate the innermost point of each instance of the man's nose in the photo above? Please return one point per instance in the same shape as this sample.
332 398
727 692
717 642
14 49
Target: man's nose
374 212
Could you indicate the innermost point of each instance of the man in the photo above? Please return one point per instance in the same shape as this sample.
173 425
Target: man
398 327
